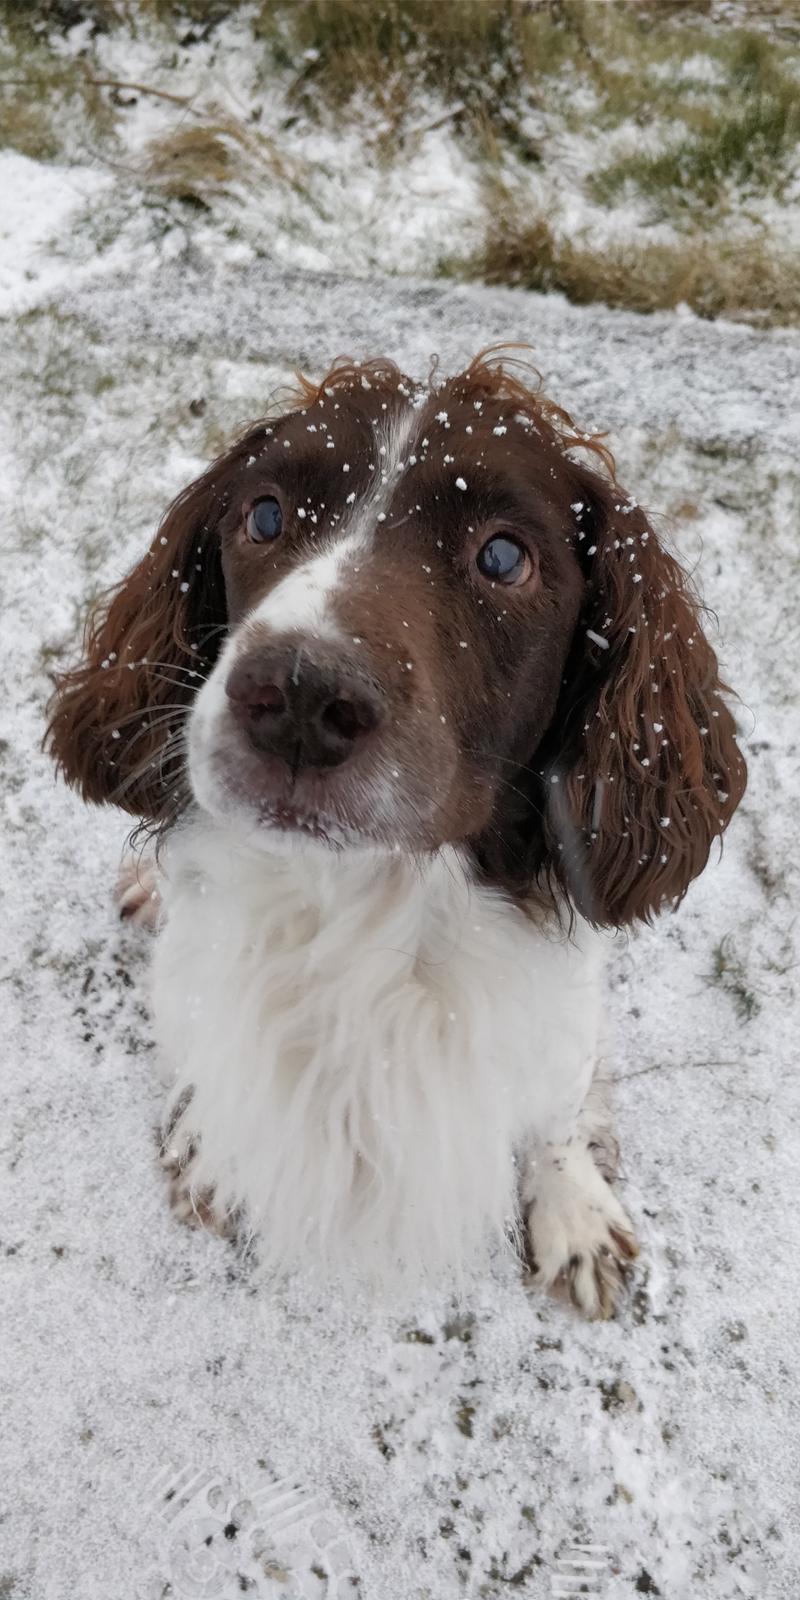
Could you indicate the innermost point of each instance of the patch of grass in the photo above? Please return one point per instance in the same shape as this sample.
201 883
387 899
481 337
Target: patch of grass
40 95
491 60
746 138
39 17
476 57
748 280
728 972
354 46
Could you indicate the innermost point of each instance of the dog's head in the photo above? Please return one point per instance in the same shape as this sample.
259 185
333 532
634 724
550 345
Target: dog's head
410 617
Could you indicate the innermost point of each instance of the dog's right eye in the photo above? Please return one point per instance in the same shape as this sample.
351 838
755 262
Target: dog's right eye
264 520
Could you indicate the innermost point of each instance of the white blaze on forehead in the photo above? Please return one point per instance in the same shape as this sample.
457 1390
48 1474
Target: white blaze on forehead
301 602
304 601
388 453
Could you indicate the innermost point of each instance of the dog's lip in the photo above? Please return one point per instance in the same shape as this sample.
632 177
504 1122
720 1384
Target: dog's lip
313 824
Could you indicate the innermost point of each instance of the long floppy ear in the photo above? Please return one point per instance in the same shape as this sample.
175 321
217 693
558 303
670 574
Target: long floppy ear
640 770
116 719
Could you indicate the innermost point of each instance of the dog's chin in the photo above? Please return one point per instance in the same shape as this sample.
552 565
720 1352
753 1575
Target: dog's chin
282 822
286 829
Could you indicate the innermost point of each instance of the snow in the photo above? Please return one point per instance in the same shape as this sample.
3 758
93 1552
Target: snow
38 201
155 1394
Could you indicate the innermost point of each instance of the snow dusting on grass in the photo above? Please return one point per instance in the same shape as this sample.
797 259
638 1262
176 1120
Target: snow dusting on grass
585 148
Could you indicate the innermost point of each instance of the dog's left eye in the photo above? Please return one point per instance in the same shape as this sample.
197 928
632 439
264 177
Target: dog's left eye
264 520
503 560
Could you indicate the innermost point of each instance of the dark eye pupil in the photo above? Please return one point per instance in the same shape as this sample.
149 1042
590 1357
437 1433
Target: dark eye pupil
501 559
265 520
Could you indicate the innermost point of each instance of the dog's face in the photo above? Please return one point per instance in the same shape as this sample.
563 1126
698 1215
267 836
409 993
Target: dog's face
410 619
402 586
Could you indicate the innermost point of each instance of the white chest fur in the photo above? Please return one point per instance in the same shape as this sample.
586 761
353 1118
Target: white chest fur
369 1040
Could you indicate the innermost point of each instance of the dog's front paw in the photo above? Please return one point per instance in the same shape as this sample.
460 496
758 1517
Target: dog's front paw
192 1203
581 1240
136 893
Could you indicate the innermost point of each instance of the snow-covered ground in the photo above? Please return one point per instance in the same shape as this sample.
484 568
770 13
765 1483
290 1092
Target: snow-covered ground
170 1425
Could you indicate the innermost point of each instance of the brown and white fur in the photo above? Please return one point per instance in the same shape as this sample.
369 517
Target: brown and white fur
422 708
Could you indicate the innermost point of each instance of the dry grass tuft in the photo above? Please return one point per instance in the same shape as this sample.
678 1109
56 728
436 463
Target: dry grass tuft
199 163
748 280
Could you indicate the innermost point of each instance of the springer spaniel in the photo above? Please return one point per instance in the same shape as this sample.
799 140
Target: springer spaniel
421 707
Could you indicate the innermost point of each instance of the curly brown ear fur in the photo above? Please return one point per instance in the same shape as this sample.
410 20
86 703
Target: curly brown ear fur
641 771
116 719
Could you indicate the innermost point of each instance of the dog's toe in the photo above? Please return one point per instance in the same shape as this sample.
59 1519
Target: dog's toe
194 1204
595 1278
136 893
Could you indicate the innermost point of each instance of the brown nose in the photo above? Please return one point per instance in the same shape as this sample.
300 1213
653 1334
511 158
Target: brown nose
308 712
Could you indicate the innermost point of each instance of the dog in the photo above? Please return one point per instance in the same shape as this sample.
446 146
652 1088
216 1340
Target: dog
422 710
